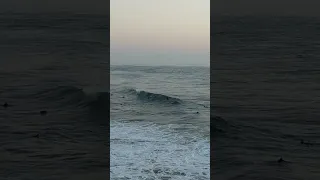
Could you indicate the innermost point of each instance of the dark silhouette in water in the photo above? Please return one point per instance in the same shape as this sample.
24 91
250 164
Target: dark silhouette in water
36 136
175 102
5 105
306 143
197 112
43 113
280 160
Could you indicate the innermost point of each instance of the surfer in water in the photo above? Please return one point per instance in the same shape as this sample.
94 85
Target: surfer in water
306 143
280 160
43 113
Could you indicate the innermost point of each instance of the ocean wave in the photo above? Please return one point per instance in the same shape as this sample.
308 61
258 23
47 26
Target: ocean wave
154 97
71 95
218 125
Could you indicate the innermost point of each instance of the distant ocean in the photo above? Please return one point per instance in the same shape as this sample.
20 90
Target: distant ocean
160 122
56 63
265 98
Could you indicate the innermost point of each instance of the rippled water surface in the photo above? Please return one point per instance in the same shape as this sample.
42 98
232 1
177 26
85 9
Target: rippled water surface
55 63
265 87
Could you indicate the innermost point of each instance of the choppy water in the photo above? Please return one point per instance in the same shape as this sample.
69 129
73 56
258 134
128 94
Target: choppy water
265 87
56 63
160 123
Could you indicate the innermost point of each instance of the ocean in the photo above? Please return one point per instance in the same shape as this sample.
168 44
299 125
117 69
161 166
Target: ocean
160 122
57 63
265 98
264 102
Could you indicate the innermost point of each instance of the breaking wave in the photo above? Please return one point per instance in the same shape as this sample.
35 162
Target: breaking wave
70 95
154 97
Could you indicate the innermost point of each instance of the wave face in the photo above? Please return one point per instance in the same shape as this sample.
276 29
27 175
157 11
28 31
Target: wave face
74 96
154 97
98 98
218 126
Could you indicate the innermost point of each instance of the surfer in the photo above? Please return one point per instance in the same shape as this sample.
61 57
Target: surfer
5 105
43 113
280 160
306 143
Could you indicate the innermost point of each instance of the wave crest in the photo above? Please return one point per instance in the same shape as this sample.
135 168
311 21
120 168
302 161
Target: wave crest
154 97
70 95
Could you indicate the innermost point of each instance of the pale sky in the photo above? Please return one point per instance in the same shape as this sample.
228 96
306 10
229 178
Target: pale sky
160 32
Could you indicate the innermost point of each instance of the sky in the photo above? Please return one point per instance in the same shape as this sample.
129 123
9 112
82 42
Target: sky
160 32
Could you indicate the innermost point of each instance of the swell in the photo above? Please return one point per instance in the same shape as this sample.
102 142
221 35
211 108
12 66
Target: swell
218 126
74 96
154 97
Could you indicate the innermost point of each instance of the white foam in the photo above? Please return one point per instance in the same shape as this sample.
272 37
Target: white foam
148 151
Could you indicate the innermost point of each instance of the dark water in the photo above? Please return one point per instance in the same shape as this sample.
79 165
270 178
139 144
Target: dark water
57 63
160 123
265 87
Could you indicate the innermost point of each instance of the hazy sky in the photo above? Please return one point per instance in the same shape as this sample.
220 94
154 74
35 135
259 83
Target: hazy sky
160 32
